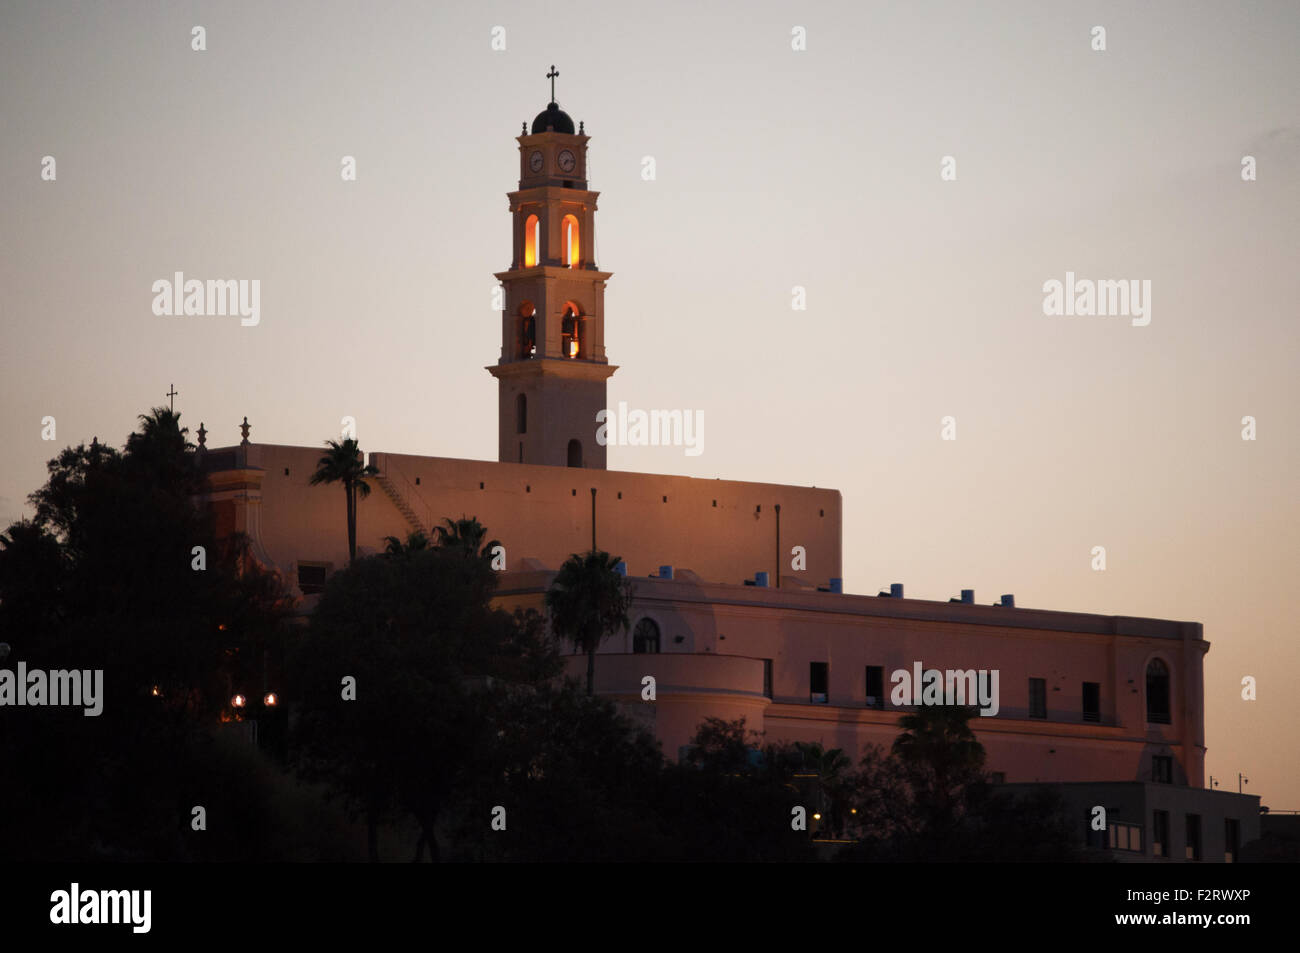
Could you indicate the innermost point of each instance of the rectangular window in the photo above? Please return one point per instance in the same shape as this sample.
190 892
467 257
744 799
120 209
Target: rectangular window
1162 769
1092 701
767 677
1193 837
1231 840
1124 837
818 681
311 577
1038 698
1160 834
875 686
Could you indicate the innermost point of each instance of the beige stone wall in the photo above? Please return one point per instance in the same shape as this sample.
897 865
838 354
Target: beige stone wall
544 514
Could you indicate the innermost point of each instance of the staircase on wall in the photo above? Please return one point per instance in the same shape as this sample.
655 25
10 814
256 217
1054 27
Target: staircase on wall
393 491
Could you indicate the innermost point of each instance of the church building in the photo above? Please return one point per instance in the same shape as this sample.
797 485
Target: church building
739 608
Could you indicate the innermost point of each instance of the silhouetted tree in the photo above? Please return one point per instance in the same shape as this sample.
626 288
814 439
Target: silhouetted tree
421 640
466 535
105 577
588 601
930 800
342 464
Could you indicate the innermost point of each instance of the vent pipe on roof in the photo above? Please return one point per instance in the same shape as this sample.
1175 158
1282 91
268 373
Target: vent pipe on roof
895 590
621 568
968 597
837 585
665 572
1009 601
760 579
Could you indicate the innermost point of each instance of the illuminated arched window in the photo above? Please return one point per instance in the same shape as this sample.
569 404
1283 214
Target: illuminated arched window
569 240
570 344
645 638
521 414
532 240
527 337
1157 692
575 453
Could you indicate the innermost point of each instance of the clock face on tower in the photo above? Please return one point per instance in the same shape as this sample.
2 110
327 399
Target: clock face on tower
566 161
535 161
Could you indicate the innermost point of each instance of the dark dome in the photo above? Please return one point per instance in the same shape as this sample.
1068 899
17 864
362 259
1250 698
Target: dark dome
553 119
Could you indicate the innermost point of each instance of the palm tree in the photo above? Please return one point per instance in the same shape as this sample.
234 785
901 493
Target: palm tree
941 757
588 600
342 464
415 542
465 534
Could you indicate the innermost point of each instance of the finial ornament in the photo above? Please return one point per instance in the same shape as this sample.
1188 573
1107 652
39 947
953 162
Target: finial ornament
525 129
551 76
582 131
244 428
203 435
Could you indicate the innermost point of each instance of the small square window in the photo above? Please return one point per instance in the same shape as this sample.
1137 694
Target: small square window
1092 701
1160 833
818 682
875 686
1193 837
1162 769
1038 698
311 577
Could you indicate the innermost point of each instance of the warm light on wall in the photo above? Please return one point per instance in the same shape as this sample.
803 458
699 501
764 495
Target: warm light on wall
570 240
532 234
271 700
239 701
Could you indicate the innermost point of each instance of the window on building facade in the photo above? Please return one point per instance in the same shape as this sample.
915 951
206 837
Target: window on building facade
1092 701
645 638
875 686
1038 698
575 453
311 577
1157 692
1124 837
767 677
818 682
1231 840
1160 833
1193 837
1162 769
570 343
532 240
526 344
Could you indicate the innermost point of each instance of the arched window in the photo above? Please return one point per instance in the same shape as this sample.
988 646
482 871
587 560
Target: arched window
575 453
570 344
521 414
569 240
527 344
532 240
645 638
1157 692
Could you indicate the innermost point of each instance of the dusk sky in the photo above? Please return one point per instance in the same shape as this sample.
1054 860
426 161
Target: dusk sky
775 168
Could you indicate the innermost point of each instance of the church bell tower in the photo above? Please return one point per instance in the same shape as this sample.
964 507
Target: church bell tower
552 370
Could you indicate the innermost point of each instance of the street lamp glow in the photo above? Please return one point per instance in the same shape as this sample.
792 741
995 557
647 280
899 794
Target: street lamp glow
239 701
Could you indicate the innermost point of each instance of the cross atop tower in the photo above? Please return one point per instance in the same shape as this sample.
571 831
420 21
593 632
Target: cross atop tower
171 396
551 76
